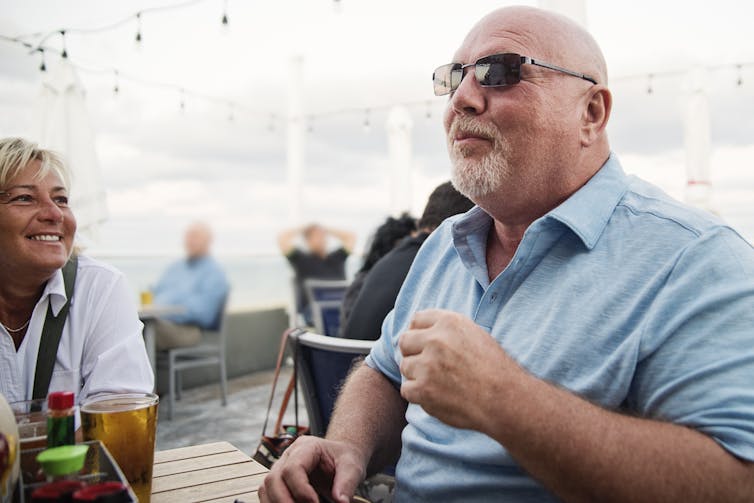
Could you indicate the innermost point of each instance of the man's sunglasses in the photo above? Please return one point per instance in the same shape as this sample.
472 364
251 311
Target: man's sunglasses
496 70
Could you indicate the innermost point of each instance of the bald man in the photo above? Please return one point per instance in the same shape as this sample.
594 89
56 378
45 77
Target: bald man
197 284
579 336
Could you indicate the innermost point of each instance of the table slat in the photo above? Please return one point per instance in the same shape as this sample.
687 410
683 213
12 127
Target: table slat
201 463
206 476
192 452
225 490
246 498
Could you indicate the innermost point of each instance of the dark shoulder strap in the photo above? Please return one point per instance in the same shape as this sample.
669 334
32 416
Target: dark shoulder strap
51 333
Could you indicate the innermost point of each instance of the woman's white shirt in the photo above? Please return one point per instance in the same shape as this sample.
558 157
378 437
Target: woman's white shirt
101 349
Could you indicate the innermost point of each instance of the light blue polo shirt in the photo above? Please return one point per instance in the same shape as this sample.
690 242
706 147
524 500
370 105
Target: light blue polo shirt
621 294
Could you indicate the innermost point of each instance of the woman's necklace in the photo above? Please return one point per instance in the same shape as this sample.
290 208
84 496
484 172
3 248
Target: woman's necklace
16 330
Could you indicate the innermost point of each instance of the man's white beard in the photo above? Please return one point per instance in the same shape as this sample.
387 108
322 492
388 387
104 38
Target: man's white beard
475 178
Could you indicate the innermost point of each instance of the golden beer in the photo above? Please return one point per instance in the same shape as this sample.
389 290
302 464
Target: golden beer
127 425
146 297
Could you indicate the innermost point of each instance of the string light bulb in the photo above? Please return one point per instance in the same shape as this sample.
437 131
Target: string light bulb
367 125
428 112
116 89
231 112
649 84
310 124
64 54
183 100
224 20
138 28
740 79
42 66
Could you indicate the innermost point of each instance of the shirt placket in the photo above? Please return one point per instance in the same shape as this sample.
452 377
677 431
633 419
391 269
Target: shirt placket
530 251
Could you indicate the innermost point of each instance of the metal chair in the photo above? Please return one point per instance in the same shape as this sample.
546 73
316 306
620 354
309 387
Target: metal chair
325 300
326 316
319 290
323 364
209 351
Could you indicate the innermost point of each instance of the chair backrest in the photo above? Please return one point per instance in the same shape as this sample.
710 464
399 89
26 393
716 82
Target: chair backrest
220 326
323 364
319 290
326 315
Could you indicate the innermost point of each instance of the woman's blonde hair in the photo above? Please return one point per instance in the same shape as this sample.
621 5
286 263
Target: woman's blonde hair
17 153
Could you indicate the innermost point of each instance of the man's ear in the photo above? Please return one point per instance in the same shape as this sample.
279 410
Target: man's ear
596 113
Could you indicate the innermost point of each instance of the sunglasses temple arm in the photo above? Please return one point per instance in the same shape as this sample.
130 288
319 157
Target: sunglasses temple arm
537 62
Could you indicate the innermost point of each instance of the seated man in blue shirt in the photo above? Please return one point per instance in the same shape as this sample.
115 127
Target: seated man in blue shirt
196 283
578 336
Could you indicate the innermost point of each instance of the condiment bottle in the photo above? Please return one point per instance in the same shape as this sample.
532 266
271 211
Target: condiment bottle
61 419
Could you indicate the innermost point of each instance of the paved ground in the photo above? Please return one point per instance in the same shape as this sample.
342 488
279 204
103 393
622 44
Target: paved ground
200 418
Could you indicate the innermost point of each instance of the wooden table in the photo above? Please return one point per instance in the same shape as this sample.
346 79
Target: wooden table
208 473
148 314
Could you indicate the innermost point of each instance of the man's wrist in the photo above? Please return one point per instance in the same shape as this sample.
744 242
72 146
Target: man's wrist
355 444
510 394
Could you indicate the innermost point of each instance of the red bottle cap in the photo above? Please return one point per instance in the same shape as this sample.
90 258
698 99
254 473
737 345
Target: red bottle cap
105 492
56 491
58 400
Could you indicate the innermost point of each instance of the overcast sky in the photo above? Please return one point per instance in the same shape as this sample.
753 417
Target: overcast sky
164 167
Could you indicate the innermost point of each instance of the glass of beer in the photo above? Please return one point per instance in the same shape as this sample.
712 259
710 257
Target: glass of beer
146 297
127 425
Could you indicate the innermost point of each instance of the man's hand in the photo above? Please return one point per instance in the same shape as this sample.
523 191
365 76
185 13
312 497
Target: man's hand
314 465
449 363
346 238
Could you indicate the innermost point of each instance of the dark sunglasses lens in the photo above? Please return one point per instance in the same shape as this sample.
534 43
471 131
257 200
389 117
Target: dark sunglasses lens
447 78
499 70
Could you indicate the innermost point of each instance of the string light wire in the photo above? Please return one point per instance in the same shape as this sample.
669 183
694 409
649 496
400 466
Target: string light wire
233 106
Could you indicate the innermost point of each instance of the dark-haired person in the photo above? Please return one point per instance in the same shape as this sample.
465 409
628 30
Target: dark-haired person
577 336
387 236
101 348
316 261
384 280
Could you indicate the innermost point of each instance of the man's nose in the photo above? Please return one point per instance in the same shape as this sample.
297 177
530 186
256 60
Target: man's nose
469 98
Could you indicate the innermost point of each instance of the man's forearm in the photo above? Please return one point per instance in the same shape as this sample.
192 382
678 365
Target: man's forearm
585 453
286 238
370 414
348 239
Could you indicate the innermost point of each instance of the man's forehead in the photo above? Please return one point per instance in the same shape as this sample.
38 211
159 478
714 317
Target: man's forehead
495 40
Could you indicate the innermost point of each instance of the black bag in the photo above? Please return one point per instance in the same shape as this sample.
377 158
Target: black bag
271 447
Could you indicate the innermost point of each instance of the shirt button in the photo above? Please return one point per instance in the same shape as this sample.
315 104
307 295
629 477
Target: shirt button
493 297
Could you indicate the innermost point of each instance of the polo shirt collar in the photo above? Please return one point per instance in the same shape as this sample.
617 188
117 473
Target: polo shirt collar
589 209
585 213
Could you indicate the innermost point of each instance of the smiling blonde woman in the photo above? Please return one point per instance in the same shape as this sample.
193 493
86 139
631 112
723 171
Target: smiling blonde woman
98 346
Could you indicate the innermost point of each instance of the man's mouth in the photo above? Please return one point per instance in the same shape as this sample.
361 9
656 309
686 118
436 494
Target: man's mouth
45 237
462 135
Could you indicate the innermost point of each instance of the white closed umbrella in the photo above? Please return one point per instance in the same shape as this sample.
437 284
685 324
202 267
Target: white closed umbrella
399 127
64 126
